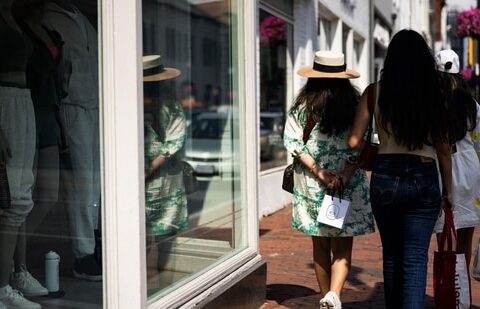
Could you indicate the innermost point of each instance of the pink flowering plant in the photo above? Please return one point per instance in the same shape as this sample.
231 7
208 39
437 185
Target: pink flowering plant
467 73
468 23
273 30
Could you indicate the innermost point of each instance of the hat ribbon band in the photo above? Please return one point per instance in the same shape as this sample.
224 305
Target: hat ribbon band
154 70
329 68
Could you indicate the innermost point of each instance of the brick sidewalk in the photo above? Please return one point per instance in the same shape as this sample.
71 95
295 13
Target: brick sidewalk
291 280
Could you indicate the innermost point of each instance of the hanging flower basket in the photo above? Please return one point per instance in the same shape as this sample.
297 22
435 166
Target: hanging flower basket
468 23
273 30
467 73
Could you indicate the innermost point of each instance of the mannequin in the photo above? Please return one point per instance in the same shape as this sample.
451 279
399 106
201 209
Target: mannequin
17 149
80 109
46 80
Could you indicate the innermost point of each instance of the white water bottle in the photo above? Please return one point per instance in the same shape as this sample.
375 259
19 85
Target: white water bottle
52 275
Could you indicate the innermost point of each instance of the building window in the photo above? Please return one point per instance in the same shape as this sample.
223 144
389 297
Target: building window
191 123
325 33
275 39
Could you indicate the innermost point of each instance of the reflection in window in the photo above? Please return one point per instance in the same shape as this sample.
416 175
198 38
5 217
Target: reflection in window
208 127
50 150
274 36
192 182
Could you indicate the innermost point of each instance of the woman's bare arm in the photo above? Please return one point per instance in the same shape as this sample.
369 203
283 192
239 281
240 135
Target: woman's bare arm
360 124
445 163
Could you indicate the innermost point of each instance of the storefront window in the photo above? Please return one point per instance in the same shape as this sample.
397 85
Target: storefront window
274 59
191 134
50 223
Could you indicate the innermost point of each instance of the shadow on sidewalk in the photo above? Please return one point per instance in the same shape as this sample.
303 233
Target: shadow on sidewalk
291 296
356 295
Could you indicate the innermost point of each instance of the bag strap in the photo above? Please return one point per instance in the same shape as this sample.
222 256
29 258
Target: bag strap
308 129
340 190
371 109
306 133
448 231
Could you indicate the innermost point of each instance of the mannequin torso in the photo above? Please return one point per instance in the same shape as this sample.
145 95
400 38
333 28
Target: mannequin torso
14 52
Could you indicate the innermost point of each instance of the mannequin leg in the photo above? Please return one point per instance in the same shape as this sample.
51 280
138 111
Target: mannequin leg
19 256
46 186
8 241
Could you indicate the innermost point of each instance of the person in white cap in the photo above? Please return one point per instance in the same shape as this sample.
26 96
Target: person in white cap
326 107
464 134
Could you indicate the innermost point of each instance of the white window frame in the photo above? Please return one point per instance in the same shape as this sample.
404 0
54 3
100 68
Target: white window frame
123 212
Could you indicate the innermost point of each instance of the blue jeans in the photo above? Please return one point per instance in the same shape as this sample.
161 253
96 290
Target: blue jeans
405 197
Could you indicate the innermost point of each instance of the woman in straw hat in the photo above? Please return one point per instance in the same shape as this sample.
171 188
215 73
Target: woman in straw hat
405 194
327 103
164 129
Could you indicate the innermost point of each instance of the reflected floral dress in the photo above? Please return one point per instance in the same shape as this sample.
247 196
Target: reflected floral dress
165 198
329 152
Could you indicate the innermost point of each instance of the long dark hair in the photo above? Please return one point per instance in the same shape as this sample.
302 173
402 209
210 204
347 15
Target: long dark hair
412 107
331 102
162 94
461 106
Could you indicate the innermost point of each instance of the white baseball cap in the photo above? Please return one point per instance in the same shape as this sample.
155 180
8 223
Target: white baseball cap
447 61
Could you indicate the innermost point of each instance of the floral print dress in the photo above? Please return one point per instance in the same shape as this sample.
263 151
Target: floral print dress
329 152
165 198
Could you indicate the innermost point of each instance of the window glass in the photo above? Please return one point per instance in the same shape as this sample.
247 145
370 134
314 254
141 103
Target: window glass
274 59
191 133
50 239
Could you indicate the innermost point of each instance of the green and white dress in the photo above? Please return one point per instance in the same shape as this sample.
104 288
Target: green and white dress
329 152
165 198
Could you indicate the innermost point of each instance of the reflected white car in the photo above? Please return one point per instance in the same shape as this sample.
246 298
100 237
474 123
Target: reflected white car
208 147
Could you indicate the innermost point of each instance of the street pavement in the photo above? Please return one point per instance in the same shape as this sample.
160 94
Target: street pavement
291 280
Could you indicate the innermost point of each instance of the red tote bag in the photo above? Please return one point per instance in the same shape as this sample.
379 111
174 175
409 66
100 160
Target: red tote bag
451 279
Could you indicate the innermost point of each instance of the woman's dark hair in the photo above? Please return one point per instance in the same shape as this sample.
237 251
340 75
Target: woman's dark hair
151 90
412 107
331 102
162 94
461 106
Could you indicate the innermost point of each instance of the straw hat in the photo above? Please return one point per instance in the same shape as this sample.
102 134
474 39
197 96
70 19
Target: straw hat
328 64
153 69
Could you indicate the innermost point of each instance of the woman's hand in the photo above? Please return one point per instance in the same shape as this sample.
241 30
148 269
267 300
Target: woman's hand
154 165
346 174
5 152
447 202
340 181
328 177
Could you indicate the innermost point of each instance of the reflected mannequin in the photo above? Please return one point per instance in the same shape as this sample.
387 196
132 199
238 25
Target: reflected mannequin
164 131
80 173
47 80
17 150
